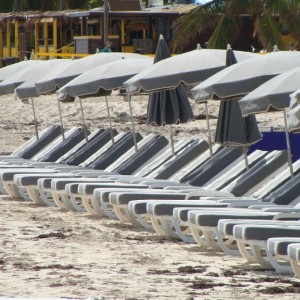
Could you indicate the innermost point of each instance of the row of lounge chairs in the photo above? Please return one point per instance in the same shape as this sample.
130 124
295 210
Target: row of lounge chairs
212 201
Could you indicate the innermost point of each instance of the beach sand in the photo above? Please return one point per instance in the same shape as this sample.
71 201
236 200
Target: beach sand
49 253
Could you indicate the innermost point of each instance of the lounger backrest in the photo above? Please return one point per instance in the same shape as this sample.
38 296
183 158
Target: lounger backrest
64 146
45 138
102 150
118 149
95 142
262 172
127 155
144 154
173 165
163 156
276 182
183 174
234 170
214 165
286 194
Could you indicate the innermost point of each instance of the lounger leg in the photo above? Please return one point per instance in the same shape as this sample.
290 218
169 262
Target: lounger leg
210 238
12 190
107 209
280 264
88 204
295 266
123 215
47 198
183 231
198 236
227 245
24 194
245 251
34 195
76 202
2 189
259 252
158 226
97 205
58 201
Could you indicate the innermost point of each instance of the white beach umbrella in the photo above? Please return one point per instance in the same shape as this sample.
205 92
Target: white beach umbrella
108 77
33 72
273 95
188 68
27 90
9 70
243 77
59 78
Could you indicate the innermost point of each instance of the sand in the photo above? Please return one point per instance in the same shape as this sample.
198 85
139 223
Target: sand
49 253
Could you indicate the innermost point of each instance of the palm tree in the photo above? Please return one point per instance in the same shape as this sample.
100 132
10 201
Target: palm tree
225 20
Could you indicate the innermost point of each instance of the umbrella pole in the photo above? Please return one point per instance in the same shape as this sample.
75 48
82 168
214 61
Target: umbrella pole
61 120
208 129
289 152
132 124
172 140
83 121
246 157
35 120
109 120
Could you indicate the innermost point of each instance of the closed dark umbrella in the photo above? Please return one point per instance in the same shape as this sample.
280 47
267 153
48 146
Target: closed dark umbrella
234 130
170 106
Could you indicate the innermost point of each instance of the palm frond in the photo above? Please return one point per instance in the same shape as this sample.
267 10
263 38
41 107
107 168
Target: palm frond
225 33
269 31
287 11
188 27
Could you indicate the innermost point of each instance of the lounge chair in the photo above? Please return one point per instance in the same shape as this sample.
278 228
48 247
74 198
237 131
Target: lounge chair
68 188
86 190
204 222
148 148
47 156
252 239
236 182
123 141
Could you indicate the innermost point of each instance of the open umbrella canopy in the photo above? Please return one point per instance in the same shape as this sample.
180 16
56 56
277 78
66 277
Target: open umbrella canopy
27 89
273 94
189 68
243 77
108 77
9 70
34 72
60 77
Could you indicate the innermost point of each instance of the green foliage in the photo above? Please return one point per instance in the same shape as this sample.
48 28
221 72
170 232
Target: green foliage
46 5
224 20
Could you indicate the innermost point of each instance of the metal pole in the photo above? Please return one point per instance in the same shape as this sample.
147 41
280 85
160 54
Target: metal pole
246 157
208 129
172 140
288 144
61 120
105 22
83 120
132 124
109 120
35 120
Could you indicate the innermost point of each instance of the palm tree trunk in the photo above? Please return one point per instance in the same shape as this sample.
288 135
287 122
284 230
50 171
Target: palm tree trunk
17 5
62 4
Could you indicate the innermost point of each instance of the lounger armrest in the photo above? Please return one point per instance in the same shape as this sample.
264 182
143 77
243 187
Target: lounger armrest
208 193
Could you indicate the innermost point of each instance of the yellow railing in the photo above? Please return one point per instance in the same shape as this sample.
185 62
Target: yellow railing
69 55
